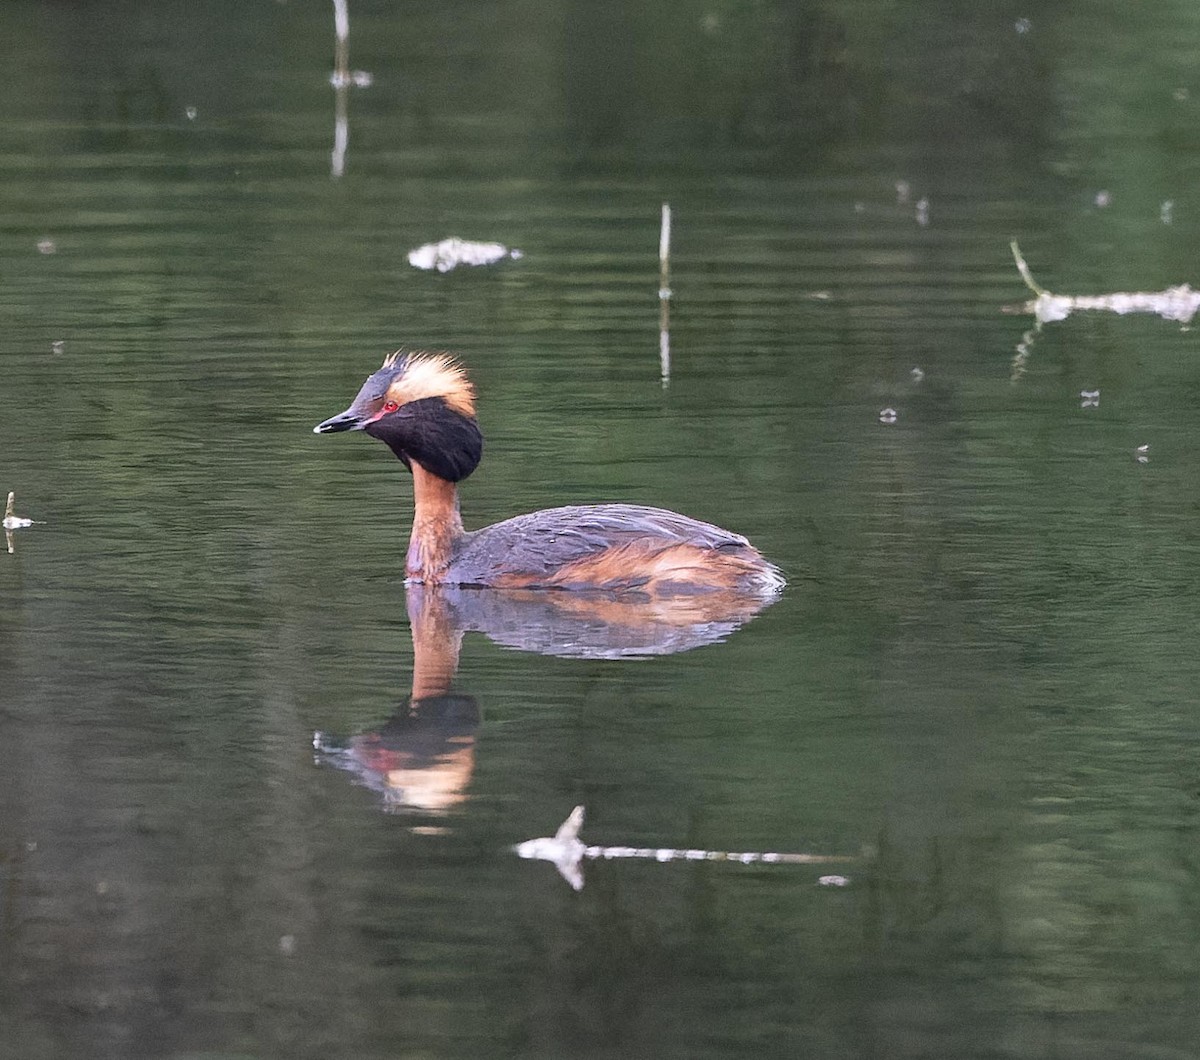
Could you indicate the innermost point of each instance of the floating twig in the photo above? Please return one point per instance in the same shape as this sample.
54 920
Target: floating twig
1175 303
12 521
566 851
1023 269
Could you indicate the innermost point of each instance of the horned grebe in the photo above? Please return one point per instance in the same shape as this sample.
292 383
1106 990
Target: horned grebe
423 406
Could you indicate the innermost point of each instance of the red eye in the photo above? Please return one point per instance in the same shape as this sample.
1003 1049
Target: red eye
390 406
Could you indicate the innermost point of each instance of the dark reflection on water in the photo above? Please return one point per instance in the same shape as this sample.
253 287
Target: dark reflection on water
983 667
422 758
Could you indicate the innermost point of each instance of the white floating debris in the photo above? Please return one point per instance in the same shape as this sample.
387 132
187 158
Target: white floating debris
917 375
566 851
1180 95
452 252
191 113
1102 199
1022 25
1175 303
1165 211
1142 454
287 945
12 522
833 881
1090 399
46 246
922 213
57 346
887 415
903 190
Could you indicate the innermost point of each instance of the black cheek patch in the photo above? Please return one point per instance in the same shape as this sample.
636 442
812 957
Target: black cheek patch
444 442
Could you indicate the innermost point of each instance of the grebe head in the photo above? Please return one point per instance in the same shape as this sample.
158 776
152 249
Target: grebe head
423 406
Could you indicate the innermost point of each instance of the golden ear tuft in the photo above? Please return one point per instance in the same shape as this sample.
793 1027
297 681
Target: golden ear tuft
425 375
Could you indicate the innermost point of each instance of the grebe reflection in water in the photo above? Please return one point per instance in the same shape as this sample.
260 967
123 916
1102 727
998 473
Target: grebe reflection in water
423 407
422 758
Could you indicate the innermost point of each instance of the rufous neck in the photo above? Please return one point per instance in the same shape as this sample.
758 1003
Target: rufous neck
437 525
436 641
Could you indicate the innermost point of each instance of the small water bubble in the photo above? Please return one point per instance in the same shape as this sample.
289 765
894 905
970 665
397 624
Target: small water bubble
1180 95
1023 25
903 190
860 207
710 23
191 113
287 945
922 213
1102 199
887 415
1165 210
46 246
1089 399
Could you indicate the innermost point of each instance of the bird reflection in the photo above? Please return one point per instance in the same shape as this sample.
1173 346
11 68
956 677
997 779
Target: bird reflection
421 759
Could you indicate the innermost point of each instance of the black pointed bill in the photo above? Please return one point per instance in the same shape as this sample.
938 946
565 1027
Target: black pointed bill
343 421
